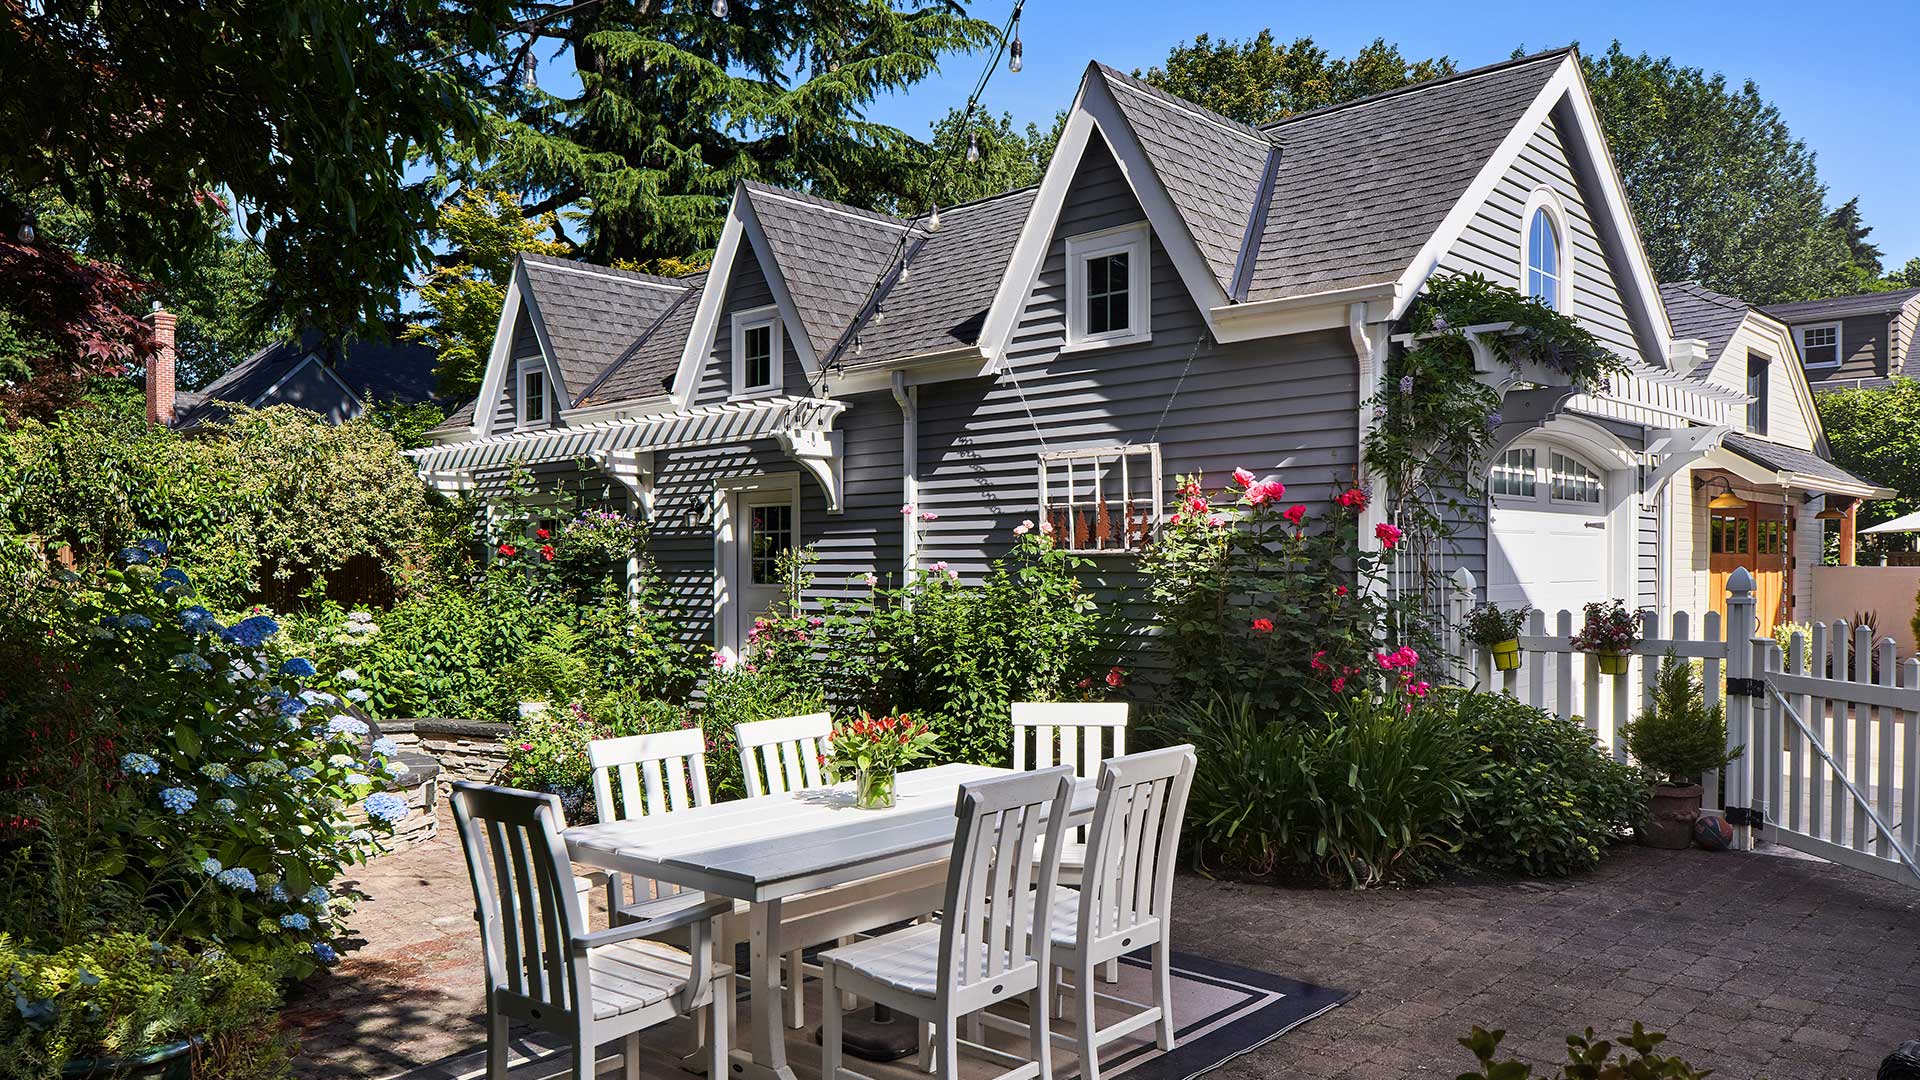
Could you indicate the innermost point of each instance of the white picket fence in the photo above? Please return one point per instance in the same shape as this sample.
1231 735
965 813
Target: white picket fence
1831 734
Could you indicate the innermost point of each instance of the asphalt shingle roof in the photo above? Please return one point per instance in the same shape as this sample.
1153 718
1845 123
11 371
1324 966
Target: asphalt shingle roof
1211 166
1838 306
1790 459
1361 186
1696 311
647 367
377 370
593 313
830 256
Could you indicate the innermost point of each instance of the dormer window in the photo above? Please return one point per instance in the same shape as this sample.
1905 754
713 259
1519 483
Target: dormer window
1108 298
533 397
757 348
1820 345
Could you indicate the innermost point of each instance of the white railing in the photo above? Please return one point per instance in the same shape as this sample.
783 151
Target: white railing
1831 735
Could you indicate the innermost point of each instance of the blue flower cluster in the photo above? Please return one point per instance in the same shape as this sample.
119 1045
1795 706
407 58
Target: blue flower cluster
301 772
318 697
178 799
251 632
358 696
131 621
324 953
153 545
299 667
237 877
134 556
385 806
198 620
174 582
317 896
385 746
188 661
295 921
138 765
210 865
278 894
347 725
293 706
225 806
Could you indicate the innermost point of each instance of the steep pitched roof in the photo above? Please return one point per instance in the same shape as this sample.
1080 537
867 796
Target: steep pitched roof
1696 311
593 313
1838 306
1213 168
645 369
829 256
950 282
371 370
1362 185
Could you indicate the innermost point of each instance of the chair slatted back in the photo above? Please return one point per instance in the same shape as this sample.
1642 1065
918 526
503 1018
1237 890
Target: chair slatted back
1134 841
1068 733
783 754
651 774
993 923
656 774
523 892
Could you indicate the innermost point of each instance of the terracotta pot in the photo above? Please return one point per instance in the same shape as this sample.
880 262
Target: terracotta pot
1671 817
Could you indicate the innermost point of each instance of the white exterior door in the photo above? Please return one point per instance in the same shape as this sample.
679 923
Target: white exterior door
765 526
1549 544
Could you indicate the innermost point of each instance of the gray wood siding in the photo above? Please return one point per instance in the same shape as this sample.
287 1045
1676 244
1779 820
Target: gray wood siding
526 346
1276 407
746 289
1491 244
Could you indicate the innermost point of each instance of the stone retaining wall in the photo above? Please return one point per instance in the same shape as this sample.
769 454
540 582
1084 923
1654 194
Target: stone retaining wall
466 749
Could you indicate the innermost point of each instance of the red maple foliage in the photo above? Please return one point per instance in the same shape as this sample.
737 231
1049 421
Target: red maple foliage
85 311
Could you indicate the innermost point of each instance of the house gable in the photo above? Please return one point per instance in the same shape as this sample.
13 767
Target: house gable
743 242
1791 418
746 290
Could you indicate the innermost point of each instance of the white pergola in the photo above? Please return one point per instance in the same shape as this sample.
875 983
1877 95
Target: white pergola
623 448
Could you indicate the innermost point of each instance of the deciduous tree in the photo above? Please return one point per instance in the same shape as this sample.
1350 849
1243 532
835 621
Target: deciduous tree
1259 80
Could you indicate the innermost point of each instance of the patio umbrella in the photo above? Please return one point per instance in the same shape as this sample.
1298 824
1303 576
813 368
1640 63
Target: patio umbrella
1904 523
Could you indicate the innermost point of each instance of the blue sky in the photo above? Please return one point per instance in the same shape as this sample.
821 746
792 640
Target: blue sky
1841 74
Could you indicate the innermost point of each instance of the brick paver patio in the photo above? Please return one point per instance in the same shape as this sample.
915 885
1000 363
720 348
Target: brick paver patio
1757 966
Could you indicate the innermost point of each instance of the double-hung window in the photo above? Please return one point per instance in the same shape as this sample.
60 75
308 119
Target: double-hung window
1820 345
1108 295
533 397
1758 369
757 349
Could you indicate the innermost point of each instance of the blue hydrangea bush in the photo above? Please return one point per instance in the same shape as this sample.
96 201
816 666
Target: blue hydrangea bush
237 767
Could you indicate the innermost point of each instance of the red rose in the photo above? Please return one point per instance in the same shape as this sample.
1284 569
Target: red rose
1116 678
508 550
1263 626
542 533
546 552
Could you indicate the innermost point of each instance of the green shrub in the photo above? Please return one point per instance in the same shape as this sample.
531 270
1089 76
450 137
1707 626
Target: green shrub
1547 800
736 695
123 993
1377 792
1586 1058
1679 737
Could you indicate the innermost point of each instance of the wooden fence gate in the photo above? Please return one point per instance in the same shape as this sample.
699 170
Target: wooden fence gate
1831 729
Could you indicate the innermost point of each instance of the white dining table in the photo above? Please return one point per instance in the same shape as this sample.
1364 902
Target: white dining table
768 849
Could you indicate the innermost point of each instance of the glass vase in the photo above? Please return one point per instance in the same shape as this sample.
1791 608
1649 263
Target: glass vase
873 789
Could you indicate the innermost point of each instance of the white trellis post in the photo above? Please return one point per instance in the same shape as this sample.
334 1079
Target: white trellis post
1740 699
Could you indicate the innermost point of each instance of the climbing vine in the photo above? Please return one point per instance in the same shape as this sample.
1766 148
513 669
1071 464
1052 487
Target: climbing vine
1435 415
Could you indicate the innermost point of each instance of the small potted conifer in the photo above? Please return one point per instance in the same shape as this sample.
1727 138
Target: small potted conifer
1677 739
1610 633
1497 631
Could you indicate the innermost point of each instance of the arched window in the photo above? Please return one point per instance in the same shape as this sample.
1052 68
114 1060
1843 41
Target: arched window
1543 259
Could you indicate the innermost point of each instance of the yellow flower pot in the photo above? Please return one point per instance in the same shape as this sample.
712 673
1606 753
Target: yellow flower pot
1506 654
1613 663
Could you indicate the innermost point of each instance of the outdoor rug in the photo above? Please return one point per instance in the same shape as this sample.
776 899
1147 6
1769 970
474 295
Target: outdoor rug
1221 1012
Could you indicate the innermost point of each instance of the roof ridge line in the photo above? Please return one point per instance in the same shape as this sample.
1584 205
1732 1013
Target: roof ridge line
611 273
1199 111
1444 80
831 206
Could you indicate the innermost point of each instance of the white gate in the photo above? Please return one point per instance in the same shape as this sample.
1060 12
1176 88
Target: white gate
1831 733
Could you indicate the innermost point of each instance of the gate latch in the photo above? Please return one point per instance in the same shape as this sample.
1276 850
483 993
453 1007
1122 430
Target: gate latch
1751 688
1753 817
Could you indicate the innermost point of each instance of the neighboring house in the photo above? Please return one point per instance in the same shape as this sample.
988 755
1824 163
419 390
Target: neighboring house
1180 294
1770 473
338 383
1849 341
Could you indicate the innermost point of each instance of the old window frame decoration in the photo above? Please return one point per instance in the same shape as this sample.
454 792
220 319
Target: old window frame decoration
1093 522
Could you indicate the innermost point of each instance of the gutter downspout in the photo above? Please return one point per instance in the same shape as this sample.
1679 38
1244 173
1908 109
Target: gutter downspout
908 398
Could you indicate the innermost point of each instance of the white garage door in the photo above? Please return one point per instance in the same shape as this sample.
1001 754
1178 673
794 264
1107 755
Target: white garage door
1548 544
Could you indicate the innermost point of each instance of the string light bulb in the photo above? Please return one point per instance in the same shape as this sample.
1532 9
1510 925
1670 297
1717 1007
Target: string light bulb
1015 59
973 148
719 9
933 218
528 64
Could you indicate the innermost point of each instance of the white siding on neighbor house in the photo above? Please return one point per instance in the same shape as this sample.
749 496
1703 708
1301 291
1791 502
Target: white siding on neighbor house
1809 543
1905 325
1787 421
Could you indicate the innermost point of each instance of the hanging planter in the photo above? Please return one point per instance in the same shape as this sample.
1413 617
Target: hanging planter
1610 633
1496 630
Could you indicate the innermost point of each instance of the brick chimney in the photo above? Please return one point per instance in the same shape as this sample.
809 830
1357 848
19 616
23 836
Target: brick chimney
160 369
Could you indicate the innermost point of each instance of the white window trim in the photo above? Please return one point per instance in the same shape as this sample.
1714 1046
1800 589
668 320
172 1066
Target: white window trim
1546 198
729 496
1127 453
1132 239
751 319
529 368
1800 342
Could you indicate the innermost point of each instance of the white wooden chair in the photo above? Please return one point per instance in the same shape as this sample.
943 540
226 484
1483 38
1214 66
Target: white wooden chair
992 944
1125 894
783 754
649 775
544 967
1069 733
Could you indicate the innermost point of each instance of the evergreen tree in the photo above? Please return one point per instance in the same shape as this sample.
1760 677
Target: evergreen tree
678 100
1854 232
